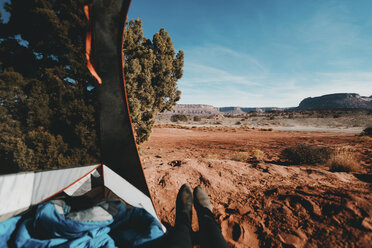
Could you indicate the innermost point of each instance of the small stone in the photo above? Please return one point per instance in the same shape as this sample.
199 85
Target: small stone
244 210
336 220
162 183
290 239
175 163
367 223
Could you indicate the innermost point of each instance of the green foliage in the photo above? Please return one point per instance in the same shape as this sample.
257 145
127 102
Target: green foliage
306 154
48 117
152 69
14 153
53 147
177 117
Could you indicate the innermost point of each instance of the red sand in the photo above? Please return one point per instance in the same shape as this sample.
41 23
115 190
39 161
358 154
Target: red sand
263 205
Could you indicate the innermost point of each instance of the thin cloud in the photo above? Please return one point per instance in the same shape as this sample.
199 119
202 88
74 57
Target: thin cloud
244 58
223 57
290 91
199 74
281 91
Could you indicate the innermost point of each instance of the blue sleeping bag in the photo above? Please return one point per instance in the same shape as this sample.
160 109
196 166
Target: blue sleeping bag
106 224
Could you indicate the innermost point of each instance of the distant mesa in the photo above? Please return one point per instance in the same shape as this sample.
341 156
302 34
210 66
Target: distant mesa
336 101
193 109
231 110
241 110
331 101
207 110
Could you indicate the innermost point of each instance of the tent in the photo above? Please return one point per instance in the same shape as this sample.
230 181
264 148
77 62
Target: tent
120 171
23 190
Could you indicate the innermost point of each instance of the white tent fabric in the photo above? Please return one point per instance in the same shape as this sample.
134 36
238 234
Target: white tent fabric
15 192
18 191
82 186
127 191
48 183
22 190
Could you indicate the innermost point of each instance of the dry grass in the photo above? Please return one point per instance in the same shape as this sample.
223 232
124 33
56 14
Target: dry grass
258 155
241 156
343 159
212 156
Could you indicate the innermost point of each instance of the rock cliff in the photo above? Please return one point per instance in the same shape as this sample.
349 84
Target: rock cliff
193 109
336 101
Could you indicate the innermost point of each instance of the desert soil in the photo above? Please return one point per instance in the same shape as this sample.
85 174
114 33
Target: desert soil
266 204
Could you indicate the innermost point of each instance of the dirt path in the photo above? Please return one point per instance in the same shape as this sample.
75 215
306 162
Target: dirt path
266 204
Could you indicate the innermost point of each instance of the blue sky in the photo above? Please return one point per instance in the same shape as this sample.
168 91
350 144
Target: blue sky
265 52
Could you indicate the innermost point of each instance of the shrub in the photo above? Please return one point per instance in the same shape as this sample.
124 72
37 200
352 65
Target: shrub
306 154
240 156
197 118
177 117
367 132
266 129
238 123
343 160
258 155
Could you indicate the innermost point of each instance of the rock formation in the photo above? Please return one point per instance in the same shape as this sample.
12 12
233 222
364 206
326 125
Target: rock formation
193 109
336 101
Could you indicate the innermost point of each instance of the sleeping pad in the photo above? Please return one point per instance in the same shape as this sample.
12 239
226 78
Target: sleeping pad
106 224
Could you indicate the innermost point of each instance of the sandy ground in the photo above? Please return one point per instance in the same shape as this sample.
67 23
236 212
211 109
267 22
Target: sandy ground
263 204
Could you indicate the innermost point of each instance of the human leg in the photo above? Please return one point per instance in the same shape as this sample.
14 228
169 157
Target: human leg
209 233
180 236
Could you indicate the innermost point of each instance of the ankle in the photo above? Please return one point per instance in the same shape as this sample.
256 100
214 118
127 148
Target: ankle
201 200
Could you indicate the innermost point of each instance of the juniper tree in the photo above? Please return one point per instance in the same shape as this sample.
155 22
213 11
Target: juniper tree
152 69
48 109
